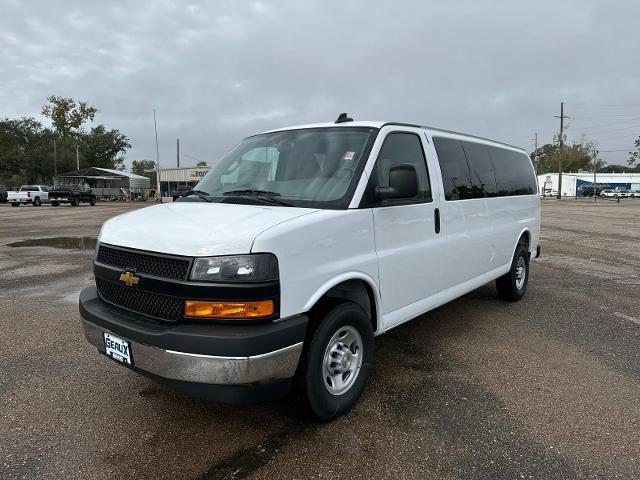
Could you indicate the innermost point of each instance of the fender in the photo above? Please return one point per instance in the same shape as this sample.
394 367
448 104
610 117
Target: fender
513 250
343 277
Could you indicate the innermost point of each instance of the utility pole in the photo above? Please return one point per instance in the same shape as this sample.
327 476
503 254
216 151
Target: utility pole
178 152
55 159
536 157
562 117
77 157
155 126
595 169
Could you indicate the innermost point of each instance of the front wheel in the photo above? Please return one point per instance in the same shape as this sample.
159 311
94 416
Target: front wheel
75 202
92 202
15 204
513 285
338 361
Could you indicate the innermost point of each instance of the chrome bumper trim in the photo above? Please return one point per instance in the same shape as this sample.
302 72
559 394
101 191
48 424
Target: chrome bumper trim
210 369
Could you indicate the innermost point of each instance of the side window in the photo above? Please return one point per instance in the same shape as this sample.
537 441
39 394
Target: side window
453 166
483 180
398 149
514 173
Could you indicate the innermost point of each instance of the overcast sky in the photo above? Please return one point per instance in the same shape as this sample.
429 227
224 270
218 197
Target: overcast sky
219 71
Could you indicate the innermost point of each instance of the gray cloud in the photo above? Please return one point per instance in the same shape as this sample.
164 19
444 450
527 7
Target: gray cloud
217 72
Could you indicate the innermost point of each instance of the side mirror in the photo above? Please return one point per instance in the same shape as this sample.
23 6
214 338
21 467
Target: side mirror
403 183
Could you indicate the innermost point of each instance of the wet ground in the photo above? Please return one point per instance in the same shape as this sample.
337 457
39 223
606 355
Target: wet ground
545 388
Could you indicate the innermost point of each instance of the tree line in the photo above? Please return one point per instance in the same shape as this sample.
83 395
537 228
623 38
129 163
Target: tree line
33 153
579 155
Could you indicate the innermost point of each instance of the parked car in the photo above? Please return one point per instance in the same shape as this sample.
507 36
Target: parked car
3 194
299 247
180 191
35 195
548 192
614 193
587 190
72 194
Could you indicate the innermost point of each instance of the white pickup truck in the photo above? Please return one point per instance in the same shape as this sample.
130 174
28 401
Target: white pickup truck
33 194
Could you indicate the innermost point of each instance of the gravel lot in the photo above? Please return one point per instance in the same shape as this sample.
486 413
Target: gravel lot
545 388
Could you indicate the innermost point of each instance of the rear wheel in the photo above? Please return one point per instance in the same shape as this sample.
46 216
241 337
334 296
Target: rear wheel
15 204
338 361
92 202
37 202
513 285
75 202
54 204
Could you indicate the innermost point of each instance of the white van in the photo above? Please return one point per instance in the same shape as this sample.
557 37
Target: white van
299 247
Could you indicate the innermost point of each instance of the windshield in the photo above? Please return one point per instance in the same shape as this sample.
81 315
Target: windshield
309 167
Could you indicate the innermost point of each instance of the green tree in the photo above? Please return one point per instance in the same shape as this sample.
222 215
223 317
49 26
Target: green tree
25 151
634 158
577 156
201 163
67 115
103 148
140 167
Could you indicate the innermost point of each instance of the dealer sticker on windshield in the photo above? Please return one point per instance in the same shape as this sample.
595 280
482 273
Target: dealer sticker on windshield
117 348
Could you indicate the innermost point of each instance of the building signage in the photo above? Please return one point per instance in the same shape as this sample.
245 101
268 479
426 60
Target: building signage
197 175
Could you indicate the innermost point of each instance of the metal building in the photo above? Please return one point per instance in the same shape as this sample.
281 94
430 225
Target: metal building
171 178
571 182
107 183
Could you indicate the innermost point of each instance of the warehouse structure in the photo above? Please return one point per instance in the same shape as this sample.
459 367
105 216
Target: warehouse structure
171 178
571 182
107 183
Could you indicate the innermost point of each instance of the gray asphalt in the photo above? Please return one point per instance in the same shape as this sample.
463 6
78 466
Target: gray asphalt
547 388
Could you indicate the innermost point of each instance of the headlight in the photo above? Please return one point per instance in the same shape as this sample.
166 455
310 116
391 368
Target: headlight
262 267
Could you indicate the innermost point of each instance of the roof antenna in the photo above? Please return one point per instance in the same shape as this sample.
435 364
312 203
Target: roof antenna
342 118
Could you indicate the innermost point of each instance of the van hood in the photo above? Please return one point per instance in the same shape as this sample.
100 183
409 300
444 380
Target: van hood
196 228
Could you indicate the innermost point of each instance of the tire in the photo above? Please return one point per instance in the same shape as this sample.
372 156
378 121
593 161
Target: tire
92 202
55 204
74 202
14 204
345 324
513 285
37 202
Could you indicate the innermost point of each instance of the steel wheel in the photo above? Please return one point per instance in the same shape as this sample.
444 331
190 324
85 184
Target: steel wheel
521 272
342 360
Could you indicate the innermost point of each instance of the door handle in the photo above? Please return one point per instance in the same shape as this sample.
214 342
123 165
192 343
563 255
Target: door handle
436 215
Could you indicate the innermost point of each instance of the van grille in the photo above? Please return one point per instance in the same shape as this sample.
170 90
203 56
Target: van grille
154 305
176 268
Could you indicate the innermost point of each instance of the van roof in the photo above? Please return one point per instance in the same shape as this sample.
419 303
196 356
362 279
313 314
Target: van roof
379 124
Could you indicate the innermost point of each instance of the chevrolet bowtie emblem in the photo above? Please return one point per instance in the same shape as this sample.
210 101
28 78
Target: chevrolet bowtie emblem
129 279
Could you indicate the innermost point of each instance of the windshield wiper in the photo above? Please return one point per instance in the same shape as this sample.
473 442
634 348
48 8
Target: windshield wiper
264 195
199 193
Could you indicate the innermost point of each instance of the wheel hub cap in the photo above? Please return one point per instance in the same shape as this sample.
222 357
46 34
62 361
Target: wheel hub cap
342 360
521 273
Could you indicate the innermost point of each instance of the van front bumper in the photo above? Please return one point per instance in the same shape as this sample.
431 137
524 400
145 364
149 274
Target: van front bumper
228 363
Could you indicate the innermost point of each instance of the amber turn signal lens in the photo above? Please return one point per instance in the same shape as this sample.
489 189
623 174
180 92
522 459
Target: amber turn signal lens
196 308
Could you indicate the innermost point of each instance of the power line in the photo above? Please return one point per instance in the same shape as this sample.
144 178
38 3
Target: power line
604 105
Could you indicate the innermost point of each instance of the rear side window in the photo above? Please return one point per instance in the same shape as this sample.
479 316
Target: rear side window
454 168
514 173
483 180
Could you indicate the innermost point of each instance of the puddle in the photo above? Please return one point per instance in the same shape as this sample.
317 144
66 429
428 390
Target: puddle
66 243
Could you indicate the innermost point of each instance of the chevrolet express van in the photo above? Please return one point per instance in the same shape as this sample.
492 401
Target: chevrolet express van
299 247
